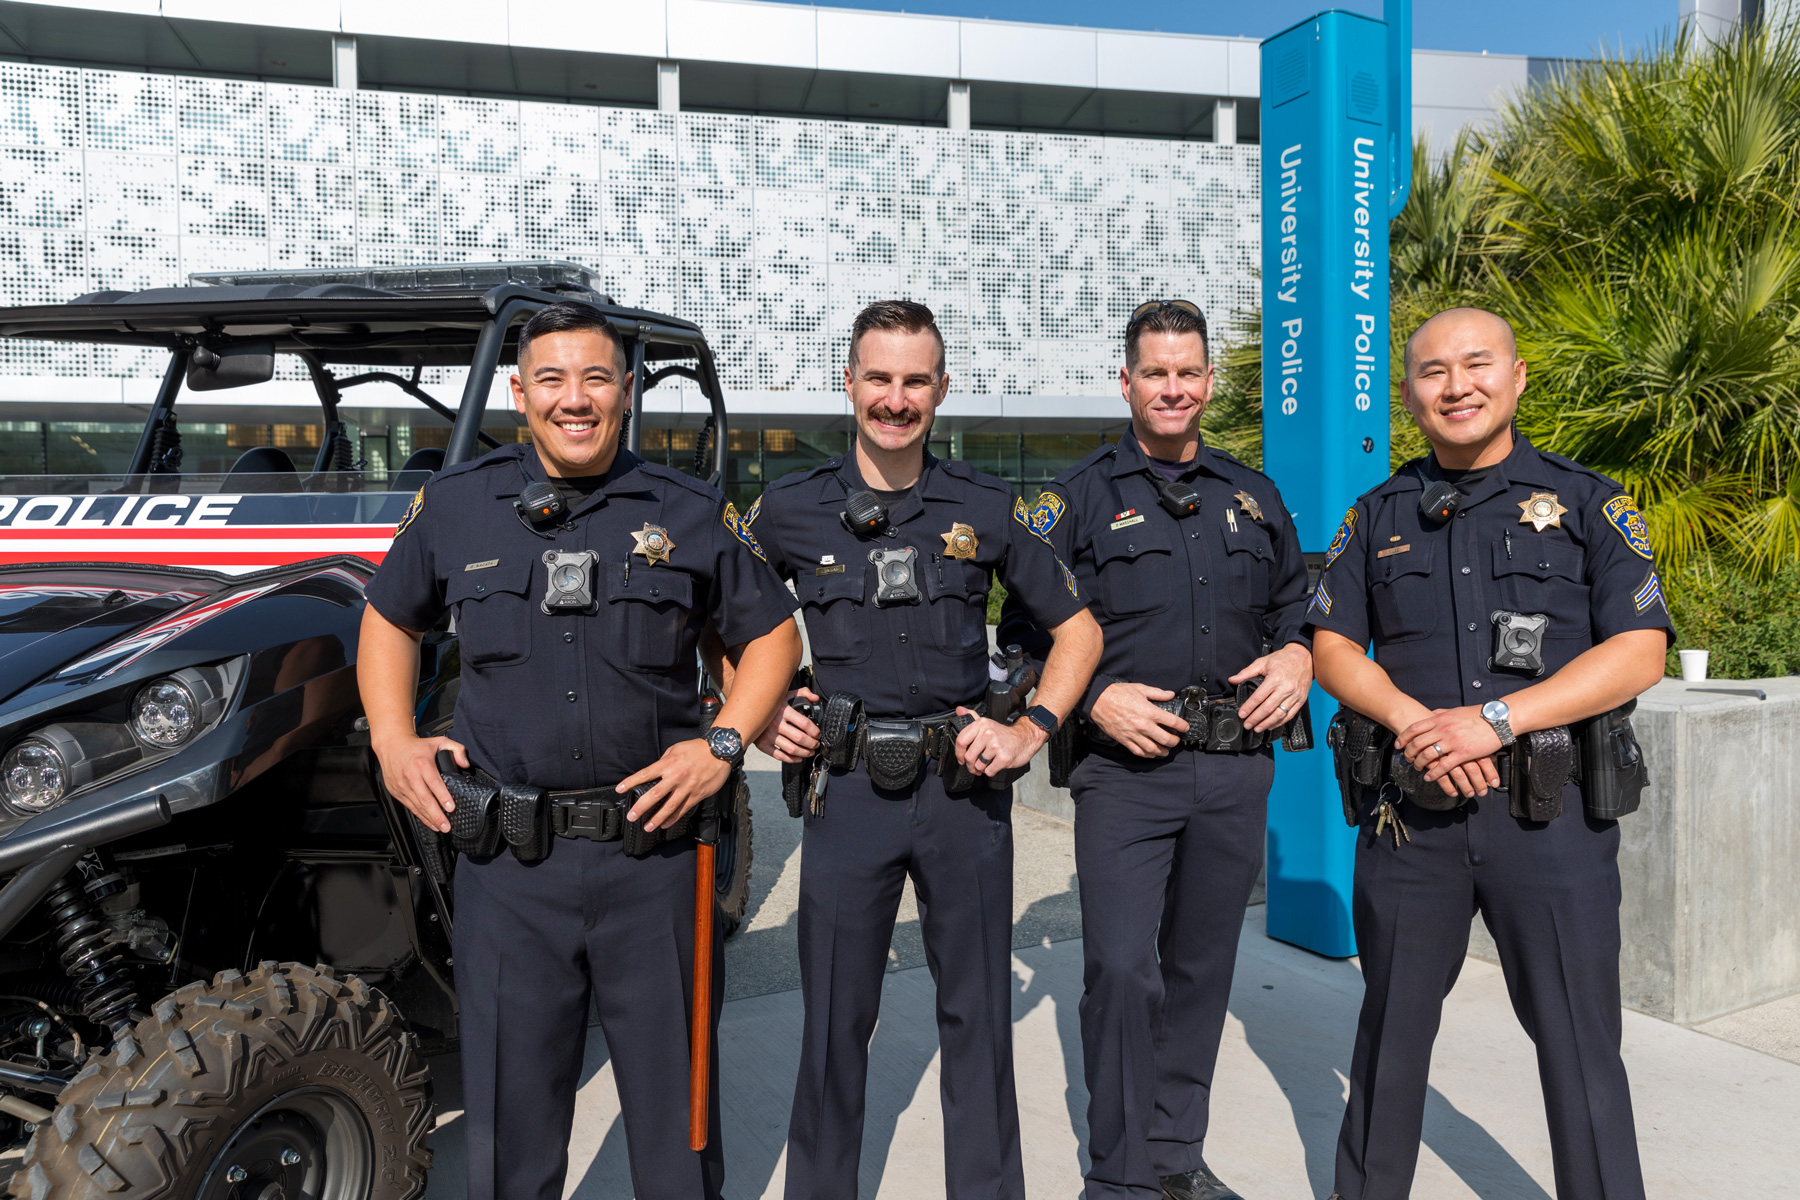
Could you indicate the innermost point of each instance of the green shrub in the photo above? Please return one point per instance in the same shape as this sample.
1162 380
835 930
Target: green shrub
996 597
1751 625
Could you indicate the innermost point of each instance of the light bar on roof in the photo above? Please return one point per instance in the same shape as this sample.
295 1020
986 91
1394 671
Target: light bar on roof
427 277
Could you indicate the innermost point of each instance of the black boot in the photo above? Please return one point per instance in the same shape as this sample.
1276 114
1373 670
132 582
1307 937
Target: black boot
1198 1184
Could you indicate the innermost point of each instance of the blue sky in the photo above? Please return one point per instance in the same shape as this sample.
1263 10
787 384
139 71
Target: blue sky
1549 28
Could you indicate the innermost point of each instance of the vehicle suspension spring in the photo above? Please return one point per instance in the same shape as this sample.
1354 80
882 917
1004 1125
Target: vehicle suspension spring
94 964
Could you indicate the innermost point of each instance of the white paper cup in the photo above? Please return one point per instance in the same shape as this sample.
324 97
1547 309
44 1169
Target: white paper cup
1693 665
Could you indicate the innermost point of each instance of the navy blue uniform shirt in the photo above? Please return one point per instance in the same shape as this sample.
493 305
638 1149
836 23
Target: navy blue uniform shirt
1189 601
568 699
1538 534
908 660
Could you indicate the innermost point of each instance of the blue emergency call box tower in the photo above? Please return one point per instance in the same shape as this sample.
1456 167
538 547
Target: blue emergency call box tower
1336 167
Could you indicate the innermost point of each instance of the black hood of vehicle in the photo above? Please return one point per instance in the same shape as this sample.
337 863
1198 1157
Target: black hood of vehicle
49 618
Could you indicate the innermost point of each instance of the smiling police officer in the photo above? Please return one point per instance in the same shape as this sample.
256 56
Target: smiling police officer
581 577
892 552
1193 567
1485 752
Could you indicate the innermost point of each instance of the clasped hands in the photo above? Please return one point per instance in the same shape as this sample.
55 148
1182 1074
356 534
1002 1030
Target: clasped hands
1129 714
1454 748
986 747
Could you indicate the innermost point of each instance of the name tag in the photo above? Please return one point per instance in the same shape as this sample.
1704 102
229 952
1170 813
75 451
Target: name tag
830 569
1137 520
1393 550
482 566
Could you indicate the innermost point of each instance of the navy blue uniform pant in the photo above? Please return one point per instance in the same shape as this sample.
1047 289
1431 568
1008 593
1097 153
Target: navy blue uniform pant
533 944
1167 851
854 862
1549 894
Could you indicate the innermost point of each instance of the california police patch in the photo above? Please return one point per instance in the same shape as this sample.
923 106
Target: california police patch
1049 511
1340 541
1022 515
1622 512
740 529
412 510
755 509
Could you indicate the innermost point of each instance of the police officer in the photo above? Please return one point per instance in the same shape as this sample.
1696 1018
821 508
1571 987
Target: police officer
1190 561
892 551
578 635
1510 595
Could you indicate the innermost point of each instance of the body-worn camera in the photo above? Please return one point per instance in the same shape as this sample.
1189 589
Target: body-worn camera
1518 642
896 576
569 583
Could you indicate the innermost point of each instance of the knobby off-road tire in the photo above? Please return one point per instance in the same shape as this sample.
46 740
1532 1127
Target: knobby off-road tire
308 1084
731 862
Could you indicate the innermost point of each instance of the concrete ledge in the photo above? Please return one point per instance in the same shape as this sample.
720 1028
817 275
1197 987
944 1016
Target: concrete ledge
1710 914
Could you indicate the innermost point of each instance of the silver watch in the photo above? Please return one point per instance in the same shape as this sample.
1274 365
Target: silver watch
1497 714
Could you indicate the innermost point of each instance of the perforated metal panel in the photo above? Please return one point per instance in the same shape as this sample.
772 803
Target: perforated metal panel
770 232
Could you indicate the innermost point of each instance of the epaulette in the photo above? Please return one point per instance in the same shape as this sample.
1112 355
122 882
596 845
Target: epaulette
794 478
1102 454
958 469
671 475
1570 465
499 456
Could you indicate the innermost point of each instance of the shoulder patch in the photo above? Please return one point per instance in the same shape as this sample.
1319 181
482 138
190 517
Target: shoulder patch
1022 515
1622 514
1068 577
1322 599
1344 533
1649 592
1049 510
412 510
740 529
755 511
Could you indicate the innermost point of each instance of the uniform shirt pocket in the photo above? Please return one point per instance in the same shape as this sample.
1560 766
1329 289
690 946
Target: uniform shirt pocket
650 606
1542 576
1135 569
835 625
493 612
1250 563
1400 590
956 592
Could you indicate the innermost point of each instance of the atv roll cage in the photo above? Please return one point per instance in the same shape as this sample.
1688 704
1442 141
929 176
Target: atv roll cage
408 318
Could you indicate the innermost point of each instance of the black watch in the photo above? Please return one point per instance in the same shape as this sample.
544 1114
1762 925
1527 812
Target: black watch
726 744
1043 718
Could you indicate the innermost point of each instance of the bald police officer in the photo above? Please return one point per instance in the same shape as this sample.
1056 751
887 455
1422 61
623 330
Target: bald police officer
892 552
1190 561
588 700
1515 612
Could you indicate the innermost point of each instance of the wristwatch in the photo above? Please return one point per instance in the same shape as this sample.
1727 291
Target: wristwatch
726 744
1497 714
1043 718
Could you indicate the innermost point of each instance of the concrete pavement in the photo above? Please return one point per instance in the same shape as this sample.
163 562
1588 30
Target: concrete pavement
1715 1119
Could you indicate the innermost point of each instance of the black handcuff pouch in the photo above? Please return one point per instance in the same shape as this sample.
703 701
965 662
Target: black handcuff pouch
525 821
1427 795
475 821
894 752
840 730
1542 762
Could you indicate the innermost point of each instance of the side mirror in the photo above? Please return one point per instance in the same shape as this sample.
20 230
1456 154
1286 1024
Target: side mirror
237 364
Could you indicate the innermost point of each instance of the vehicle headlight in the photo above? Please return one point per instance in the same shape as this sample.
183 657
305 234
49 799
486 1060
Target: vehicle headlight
35 776
165 714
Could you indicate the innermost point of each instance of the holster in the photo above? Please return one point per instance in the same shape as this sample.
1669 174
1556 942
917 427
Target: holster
1067 747
475 821
1542 762
894 752
1613 772
1359 752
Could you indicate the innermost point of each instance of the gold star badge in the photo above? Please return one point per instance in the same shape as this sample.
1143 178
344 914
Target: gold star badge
1541 511
1248 503
654 543
960 542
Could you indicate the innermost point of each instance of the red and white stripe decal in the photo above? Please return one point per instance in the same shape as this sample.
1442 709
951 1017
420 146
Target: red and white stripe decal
230 549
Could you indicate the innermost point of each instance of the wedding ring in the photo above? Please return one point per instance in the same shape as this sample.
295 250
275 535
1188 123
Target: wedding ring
1438 747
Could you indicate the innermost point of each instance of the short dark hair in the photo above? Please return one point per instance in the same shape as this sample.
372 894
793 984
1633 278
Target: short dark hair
569 316
1166 318
895 316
